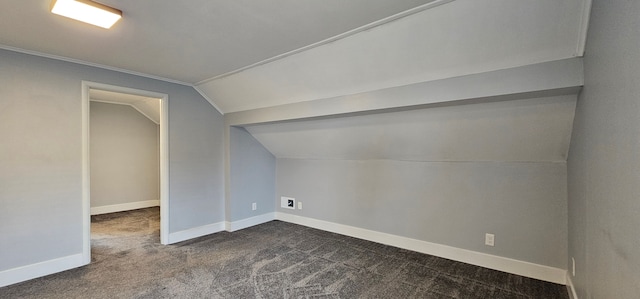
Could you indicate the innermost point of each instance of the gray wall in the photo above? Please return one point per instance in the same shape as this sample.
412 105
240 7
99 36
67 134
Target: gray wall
450 203
446 174
125 165
252 176
41 158
603 164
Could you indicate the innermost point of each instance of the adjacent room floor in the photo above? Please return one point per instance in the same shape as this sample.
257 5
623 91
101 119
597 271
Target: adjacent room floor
272 260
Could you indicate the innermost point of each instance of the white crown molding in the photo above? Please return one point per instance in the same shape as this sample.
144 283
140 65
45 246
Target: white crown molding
92 64
366 27
115 69
204 95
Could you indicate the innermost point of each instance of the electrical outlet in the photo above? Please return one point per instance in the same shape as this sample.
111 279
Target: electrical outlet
288 202
573 266
299 205
489 239
254 206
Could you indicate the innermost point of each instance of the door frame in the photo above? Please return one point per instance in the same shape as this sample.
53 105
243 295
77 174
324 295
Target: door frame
86 173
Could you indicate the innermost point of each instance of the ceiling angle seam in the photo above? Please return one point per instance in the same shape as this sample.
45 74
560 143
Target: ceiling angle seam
332 39
584 27
126 104
426 161
115 69
92 64
210 100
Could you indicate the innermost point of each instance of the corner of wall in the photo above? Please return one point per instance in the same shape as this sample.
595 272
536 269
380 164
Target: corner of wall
249 222
570 288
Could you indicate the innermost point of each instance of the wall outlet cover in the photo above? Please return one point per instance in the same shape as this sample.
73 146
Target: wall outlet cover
489 239
288 203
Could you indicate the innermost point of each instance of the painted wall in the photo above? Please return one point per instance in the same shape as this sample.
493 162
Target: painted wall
603 164
125 165
455 204
41 158
445 175
252 177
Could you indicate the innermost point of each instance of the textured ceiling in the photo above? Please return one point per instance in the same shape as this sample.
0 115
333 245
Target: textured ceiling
189 41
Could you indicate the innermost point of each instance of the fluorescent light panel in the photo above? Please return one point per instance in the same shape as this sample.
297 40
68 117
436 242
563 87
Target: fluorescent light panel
87 11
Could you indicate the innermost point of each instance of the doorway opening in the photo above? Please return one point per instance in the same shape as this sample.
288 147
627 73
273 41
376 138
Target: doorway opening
98 197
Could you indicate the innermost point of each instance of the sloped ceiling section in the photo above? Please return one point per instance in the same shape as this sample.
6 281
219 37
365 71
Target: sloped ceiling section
189 41
457 38
149 107
526 130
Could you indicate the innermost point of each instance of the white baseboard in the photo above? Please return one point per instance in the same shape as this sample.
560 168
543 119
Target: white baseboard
196 232
571 288
124 207
527 269
546 273
244 223
20 274
218 227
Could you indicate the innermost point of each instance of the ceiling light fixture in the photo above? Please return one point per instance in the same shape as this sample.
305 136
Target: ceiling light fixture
87 11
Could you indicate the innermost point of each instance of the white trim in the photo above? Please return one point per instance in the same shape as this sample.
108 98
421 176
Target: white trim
546 79
87 63
106 67
195 232
527 269
206 97
86 173
164 170
20 274
126 104
218 227
124 207
86 177
584 27
249 222
332 39
570 288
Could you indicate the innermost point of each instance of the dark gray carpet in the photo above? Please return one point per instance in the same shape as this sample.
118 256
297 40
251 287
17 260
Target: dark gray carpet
272 260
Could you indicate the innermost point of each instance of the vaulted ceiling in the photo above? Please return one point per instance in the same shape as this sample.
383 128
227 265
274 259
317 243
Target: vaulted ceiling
277 66
189 41
249 54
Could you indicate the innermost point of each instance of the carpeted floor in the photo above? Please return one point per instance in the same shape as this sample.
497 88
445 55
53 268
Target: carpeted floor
272 260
